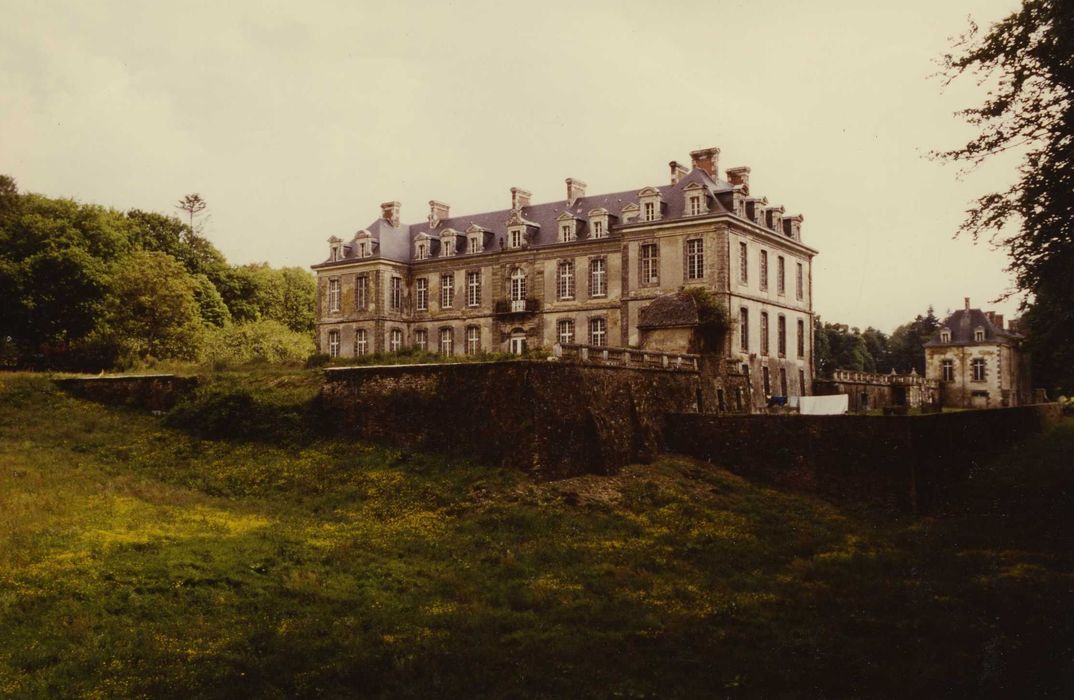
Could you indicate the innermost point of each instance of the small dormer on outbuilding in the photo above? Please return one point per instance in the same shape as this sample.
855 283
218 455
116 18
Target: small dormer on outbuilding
335 249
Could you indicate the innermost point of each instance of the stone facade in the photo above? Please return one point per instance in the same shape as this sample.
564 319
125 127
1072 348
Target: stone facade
579 270
978 363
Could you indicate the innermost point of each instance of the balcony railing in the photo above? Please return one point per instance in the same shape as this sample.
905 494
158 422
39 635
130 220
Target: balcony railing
505 307
626 357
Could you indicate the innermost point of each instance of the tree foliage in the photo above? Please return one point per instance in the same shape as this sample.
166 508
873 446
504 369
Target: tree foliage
1028 60
838 346
83 286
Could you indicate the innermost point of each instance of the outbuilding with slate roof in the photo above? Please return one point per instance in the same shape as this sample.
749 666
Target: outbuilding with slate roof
979 363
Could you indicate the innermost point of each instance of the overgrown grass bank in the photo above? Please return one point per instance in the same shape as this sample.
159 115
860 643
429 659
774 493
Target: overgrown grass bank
138 559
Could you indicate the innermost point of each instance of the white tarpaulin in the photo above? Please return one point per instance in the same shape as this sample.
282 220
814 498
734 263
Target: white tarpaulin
835 405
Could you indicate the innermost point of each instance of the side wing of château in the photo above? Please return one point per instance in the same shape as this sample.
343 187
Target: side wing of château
579 271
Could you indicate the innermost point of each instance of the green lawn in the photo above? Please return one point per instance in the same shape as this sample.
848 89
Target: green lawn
137 560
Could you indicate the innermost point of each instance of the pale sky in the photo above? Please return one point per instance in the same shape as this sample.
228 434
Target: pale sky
296 120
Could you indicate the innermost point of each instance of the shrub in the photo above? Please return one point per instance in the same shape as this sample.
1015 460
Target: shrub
255 341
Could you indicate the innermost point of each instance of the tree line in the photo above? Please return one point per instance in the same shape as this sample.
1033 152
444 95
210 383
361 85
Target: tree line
85 287
838 346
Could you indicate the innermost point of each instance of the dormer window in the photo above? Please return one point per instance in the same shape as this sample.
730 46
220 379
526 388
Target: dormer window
447 243
335 249
696 202
515 237
473 244
945 335
651 204
568 227
422 251
475 239
978 334
630 213
599 222
363 244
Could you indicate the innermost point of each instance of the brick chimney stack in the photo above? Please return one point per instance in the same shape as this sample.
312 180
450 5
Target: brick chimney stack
678 171
575 191
390 212
520 198
967 303
740 177
708 159
438 211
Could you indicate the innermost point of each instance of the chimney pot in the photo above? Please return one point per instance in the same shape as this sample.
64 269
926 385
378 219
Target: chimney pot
707 159
438 211
390 212
520 198
575 190
740 177
678 171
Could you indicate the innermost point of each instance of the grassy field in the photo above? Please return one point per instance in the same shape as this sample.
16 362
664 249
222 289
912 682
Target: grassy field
139 560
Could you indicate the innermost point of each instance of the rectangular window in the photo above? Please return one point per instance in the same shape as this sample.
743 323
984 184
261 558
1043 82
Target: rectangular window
447 341
475 244
763 280
447 246
423 251
333 343
598 278
743 264
782 381
650 264
395 344
780 280
598 332
397 293
766 381
565 280
801 338
421 340
565 233
801 382
361 342
948 370
333 295
764 332
516 238
473 288
744 329
447 291
363 250
978 367
565 331
781 336
421 294
361 292
695 259
598 229
695 205
799 282
650 211
473 340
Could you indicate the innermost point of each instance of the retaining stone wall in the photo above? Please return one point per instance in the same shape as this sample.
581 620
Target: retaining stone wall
552 419
155 392
899 462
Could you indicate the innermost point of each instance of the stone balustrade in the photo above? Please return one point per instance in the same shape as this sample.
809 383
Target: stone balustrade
626 357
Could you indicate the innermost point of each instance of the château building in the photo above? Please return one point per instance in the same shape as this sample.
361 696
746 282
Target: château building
978 362
579 270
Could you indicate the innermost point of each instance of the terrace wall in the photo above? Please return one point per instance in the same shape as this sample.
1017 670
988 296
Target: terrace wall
898 462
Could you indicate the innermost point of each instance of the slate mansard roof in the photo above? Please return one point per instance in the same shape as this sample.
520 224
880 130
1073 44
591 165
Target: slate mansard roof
398 243
964 322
